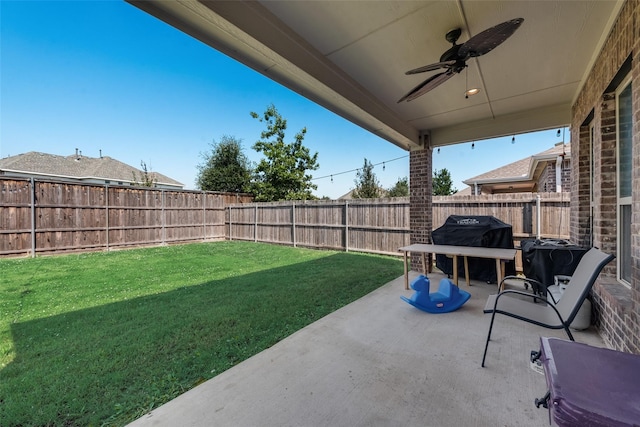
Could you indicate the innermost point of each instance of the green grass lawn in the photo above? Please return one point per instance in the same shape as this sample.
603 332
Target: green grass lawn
103 338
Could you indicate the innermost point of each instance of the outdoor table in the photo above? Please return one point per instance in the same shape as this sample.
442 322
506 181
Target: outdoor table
501 256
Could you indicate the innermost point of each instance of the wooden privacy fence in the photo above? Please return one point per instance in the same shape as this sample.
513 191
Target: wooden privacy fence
382 225
46 216
531 215
365 225
527 213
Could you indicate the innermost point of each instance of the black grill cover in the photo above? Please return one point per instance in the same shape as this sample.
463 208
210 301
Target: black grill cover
544 259
479 231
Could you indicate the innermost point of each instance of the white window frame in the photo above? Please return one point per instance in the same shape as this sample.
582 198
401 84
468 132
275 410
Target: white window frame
621 201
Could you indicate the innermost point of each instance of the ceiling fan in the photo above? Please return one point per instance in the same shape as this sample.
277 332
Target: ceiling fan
455 59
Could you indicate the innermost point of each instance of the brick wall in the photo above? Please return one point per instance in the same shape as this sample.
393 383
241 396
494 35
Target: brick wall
566 175
420 194
547 179
616 307
581 230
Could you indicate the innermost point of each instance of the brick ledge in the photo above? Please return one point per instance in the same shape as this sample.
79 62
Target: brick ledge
616 294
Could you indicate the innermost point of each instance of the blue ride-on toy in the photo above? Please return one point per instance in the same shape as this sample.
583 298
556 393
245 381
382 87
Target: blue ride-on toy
448 297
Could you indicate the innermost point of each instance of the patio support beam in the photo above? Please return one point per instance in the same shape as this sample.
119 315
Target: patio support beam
506 124
420 197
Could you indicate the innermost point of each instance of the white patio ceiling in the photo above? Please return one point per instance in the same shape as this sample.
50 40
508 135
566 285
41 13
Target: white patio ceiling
351 56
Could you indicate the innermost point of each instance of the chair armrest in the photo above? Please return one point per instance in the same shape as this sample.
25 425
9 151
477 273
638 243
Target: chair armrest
513 291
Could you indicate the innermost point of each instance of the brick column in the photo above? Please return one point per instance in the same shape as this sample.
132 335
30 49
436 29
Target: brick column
421 194
605 181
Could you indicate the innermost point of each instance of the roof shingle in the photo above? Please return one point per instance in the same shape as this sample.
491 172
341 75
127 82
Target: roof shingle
79 167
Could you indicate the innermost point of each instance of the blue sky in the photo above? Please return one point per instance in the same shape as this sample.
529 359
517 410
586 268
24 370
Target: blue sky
103 75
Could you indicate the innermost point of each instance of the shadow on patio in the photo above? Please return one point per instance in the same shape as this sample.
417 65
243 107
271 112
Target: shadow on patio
380 362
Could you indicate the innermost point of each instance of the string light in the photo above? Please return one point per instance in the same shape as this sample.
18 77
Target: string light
355 170
438 150
473 145
513 139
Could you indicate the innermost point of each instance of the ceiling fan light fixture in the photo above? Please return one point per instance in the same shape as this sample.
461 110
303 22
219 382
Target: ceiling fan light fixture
471 92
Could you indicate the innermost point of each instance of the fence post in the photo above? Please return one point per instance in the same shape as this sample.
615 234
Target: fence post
106 210
33 218
164 220
230 228
204 218
538 218
293 223
346 226
527 218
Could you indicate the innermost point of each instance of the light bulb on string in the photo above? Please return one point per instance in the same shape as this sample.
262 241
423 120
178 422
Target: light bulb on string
513 139
473 145
438 150
384 163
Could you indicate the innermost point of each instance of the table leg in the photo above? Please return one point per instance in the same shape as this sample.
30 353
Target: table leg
406 271
499 274
424 263
466 271
455 269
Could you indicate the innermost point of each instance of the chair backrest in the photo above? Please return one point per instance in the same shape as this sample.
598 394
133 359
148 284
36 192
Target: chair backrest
581 282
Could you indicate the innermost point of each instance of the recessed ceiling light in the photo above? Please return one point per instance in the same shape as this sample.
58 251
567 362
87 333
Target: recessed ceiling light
472 91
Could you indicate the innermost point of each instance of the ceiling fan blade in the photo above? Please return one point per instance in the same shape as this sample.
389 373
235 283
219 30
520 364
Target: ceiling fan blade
489 39
431 67
427 85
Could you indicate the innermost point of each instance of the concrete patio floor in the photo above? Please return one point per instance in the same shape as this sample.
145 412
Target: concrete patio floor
380 362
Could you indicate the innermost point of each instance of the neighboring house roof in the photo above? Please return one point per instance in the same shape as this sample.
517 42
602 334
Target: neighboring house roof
466 191
521 174
79 167
349 195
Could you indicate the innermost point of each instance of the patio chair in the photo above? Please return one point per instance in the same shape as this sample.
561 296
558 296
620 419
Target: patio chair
535 309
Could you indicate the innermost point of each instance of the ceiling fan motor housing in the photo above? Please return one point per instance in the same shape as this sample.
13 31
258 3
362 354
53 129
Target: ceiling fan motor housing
451 54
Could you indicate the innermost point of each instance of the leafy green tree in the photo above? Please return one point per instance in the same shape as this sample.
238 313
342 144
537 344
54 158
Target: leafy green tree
400 188
442 183
225 168
282 175
367 186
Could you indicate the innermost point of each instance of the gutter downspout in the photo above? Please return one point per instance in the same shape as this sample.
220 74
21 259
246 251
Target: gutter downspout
559 160
538 217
